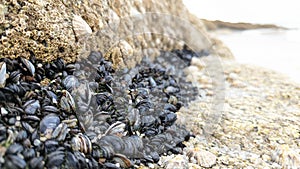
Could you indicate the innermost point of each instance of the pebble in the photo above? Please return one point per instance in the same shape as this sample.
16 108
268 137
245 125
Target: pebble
198 62
36 142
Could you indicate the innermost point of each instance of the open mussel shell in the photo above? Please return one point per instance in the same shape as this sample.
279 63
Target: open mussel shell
122 160
67 102
81 143
116 128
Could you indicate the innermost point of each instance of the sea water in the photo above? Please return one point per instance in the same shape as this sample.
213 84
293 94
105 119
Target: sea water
274 49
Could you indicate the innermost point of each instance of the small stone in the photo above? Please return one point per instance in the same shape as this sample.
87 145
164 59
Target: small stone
266 157
178 162
238 84
150 165
36 142
203 158
197 62
232 76
3 111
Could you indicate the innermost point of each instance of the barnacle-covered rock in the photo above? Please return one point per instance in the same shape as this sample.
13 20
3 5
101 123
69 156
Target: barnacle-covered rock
53 28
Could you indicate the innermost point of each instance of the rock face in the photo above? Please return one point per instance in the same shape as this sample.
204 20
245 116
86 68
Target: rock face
48 29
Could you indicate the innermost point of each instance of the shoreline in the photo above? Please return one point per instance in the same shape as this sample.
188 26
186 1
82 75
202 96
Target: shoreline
213 25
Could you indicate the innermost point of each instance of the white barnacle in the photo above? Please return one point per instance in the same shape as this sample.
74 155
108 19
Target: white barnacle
80 27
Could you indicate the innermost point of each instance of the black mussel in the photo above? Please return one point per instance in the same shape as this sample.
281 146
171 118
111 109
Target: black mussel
49 109
134 119
70 68
27 127
170 107
52 96
22 135
37 163
28 66
12 121
15 76
51 145
67 102
107 152
155 156
109 165
58 64
60 132
148 121
30 95
14 148
95 57
103 97
28 153
3 133
116 128
31 106
71 161
31 118
17 89
48 124
150 132
14 161
83 93
55 159
82 161
70 82
168 118
34 135
133 147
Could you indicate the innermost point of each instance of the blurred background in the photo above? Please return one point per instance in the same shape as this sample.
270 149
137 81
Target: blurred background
275 49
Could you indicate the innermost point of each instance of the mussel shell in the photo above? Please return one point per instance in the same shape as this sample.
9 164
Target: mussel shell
14 161
50 109
15 76
37 163
49 122
122 160
14 148
29 66
55 159
2 74
70 82
51 146
22 135
67 102
31 106
72 161
81 143
28 153
107 152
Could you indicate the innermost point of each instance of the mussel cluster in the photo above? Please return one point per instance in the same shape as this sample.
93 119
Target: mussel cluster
88 115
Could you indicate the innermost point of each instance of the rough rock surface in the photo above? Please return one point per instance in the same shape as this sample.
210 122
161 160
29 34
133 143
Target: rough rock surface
45 29
259 120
